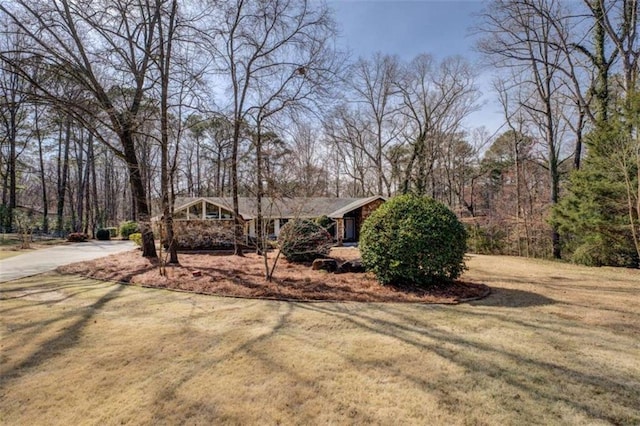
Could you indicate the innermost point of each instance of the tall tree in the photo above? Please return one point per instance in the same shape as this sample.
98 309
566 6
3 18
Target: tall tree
600 215
273 54
105 48
167 18
14 92
517 36
436 97
373 82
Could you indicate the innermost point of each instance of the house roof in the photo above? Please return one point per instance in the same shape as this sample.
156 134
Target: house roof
285 208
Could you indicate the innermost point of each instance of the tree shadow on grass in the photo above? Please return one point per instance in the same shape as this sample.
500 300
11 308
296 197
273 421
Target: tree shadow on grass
63 340
511 298
488 362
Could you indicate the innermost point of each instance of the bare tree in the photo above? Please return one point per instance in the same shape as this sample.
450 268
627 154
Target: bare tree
346 131
373 82
518 37
273 55
436 98
309 173
619 20
105 48
14 92
166 16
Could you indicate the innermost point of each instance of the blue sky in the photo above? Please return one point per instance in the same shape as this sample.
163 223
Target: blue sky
407 28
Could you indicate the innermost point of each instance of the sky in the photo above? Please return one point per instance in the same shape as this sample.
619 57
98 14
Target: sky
407 28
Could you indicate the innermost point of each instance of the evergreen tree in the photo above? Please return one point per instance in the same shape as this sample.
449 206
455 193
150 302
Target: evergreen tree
599 216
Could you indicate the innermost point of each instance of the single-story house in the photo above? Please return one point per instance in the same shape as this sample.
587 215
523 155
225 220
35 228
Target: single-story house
206 215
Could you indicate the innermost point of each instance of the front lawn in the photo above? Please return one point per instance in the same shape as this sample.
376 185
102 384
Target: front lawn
553 344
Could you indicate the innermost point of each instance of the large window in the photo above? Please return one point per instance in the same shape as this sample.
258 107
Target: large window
211 212
195 211
225 214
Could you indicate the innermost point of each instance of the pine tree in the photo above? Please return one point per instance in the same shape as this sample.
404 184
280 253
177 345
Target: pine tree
598 217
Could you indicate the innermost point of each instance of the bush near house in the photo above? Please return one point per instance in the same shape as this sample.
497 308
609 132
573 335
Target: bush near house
304 241
127 228
413 240
325 221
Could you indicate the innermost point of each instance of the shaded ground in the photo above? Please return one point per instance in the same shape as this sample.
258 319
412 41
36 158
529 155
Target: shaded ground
244 277
553 344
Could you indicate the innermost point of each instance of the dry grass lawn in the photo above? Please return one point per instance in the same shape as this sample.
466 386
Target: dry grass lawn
554 344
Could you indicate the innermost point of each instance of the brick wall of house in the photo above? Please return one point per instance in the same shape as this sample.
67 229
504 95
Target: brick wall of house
367 209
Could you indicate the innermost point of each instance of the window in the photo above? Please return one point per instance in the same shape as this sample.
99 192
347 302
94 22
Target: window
213 211
195 211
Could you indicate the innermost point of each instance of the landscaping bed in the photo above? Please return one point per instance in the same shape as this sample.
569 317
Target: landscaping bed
228 275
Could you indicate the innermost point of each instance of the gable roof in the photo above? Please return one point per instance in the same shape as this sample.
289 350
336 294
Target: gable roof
284 208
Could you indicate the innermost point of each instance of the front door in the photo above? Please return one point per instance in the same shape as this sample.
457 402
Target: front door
349 229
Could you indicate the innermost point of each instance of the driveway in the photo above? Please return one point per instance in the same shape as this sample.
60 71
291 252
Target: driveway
44 260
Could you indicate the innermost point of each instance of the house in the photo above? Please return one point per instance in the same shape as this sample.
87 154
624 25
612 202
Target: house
213 217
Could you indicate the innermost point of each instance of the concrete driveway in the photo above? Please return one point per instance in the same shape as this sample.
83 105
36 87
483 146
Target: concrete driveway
44 260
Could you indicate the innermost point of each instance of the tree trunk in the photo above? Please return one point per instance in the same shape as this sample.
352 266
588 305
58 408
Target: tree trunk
138 194
80 184
260 237
238 225
63 173
43 179
13 112
97 217
164 62
87 222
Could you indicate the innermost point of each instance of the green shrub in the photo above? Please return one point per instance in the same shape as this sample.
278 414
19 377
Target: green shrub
127 228
113 231
304 241
136 237
413 240
599 250
77 237
325 221
103 234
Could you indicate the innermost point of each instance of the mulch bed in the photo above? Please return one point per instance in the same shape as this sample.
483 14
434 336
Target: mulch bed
227 275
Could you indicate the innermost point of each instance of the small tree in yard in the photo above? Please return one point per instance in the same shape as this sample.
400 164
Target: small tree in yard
304 241
413 240
24 223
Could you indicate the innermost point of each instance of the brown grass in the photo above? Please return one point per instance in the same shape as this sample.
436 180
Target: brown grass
229 275
553 344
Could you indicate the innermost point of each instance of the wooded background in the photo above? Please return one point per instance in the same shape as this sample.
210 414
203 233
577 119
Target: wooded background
112 108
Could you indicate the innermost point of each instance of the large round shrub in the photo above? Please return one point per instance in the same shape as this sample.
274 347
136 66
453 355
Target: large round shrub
413 240
304 241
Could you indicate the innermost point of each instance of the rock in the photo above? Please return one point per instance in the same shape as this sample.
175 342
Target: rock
329 265
197 273
352 266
